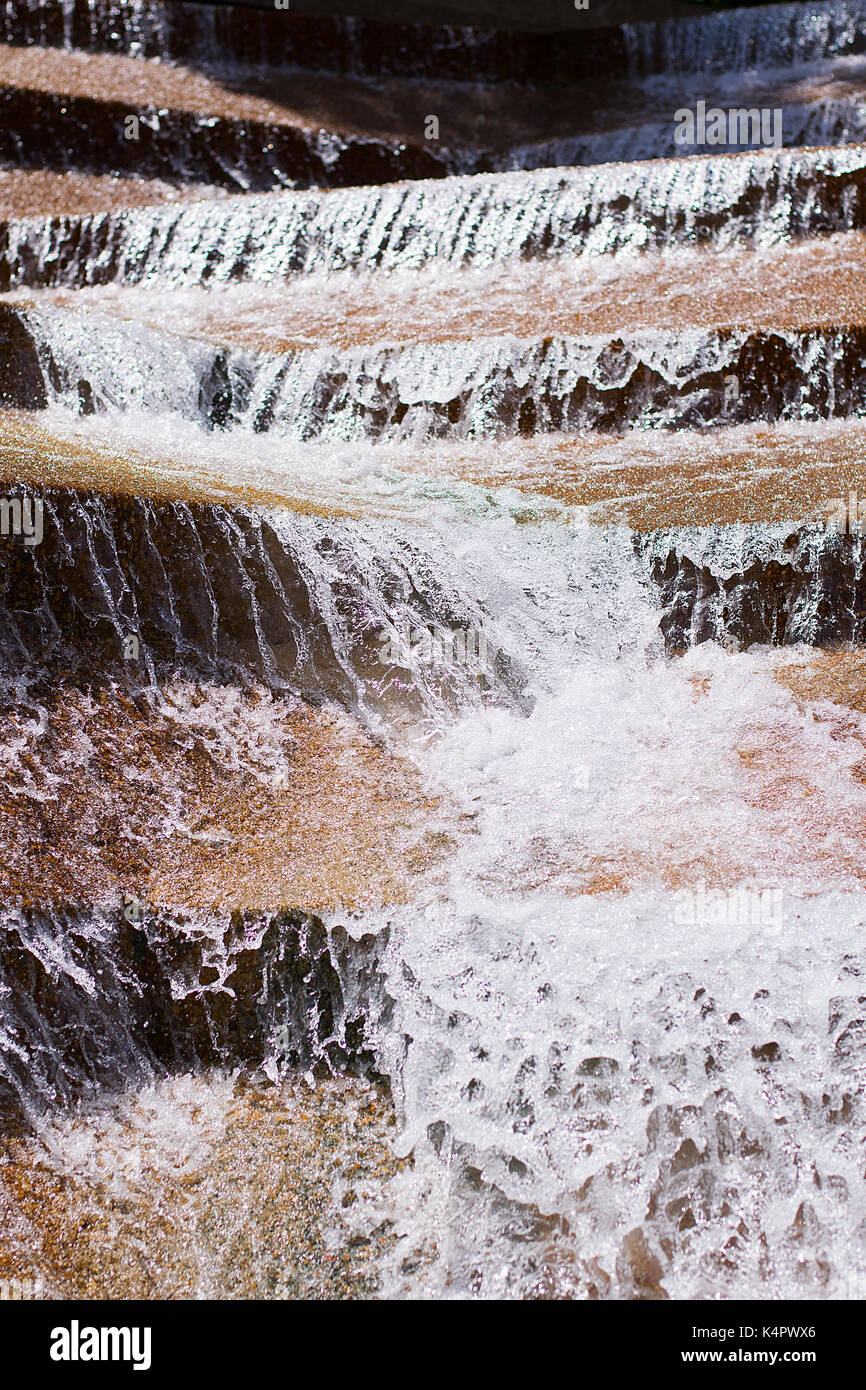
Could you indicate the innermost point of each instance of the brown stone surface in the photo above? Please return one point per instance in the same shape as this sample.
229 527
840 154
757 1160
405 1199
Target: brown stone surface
202 1187
652 479
43 193
304 100
475 116
46 451
816 283
838 676
115 77
646 479
215 797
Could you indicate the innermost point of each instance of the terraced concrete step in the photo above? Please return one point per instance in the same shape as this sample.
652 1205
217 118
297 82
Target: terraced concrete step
504 42
498 43
814 283
658 480
762 199
266 128
228 36
39 193
197 796
202 133
161 589
250 106
229 774
48 450
746 534
794 473
498 386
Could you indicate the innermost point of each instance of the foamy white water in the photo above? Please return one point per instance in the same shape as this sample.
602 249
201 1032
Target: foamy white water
673 1051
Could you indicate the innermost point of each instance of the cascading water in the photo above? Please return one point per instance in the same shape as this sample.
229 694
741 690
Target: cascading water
786 36
433 741
756 198
631 1090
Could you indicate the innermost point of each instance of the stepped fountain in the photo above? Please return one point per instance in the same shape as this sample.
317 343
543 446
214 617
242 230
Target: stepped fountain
456 970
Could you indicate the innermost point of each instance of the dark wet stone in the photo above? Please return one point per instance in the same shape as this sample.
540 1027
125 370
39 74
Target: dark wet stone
90 999
810 589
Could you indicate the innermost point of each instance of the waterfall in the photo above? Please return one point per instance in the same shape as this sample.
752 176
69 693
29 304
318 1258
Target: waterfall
497 387
772 36
757 198
137 991
432 599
